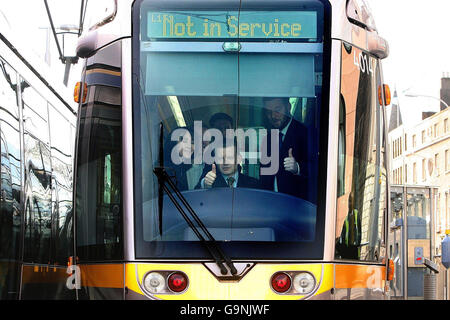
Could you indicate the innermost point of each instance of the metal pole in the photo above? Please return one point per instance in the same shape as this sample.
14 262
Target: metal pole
405 242
80 27
66 72
446 285
426 96
61 56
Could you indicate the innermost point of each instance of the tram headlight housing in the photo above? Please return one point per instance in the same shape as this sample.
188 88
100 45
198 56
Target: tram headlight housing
165 282
154 282
300 283
304 283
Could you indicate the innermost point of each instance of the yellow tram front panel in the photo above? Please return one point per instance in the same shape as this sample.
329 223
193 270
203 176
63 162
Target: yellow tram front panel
332 281
255 285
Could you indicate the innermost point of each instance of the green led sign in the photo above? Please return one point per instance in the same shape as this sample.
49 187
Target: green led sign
232 25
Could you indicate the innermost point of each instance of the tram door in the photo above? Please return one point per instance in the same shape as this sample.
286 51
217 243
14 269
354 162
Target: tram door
418 224
396 247
410 239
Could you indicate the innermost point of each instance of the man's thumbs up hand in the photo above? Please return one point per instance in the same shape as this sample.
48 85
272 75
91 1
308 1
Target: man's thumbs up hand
290 153
210 177
290 164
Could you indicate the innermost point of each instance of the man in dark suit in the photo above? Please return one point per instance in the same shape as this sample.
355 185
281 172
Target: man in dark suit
292 175
222 122
228 174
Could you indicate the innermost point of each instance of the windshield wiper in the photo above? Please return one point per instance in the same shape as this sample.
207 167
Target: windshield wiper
164 182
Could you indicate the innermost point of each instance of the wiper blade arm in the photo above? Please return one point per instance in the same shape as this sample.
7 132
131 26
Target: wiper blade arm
161 181
164 182
211 245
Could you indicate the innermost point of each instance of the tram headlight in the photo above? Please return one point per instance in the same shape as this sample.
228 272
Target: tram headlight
177 282
154 282
281 282
304 283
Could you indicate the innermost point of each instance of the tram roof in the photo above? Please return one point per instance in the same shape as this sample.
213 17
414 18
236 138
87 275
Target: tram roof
352 21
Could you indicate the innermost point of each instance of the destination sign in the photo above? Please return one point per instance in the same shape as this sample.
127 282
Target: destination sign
232 25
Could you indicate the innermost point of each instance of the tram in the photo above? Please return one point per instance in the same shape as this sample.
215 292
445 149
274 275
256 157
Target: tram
232 149
37 129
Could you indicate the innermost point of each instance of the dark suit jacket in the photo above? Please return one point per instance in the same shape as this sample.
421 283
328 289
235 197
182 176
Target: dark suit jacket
244 181
287 182
178 172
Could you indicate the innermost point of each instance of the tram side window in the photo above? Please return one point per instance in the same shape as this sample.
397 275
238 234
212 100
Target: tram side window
10 183
61 150
35 114
38 197
341 146
358 224
62 216
38 201
382 171
99 178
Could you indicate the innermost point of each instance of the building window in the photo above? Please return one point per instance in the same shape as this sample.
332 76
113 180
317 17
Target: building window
406 142
446 125
423 170
406 173
423 136
435 130
447 165
414 142
394 149
414 172
438 211
401 146
397 149
436 163
447 211
401 174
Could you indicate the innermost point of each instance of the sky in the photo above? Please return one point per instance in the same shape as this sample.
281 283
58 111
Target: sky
417 32
32 27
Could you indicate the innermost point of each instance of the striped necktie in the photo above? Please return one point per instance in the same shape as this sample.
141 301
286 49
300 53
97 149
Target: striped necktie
230 181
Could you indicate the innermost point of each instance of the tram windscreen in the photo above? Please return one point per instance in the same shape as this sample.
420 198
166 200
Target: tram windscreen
237 87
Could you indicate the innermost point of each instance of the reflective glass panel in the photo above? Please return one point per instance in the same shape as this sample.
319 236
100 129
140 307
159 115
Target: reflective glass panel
362 179
38 200
240 114
10 184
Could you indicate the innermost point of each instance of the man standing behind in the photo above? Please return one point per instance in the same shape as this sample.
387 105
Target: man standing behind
292 174
222 122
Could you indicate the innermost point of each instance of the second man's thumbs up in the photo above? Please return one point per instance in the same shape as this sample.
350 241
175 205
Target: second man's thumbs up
290 164
210 177
290 153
